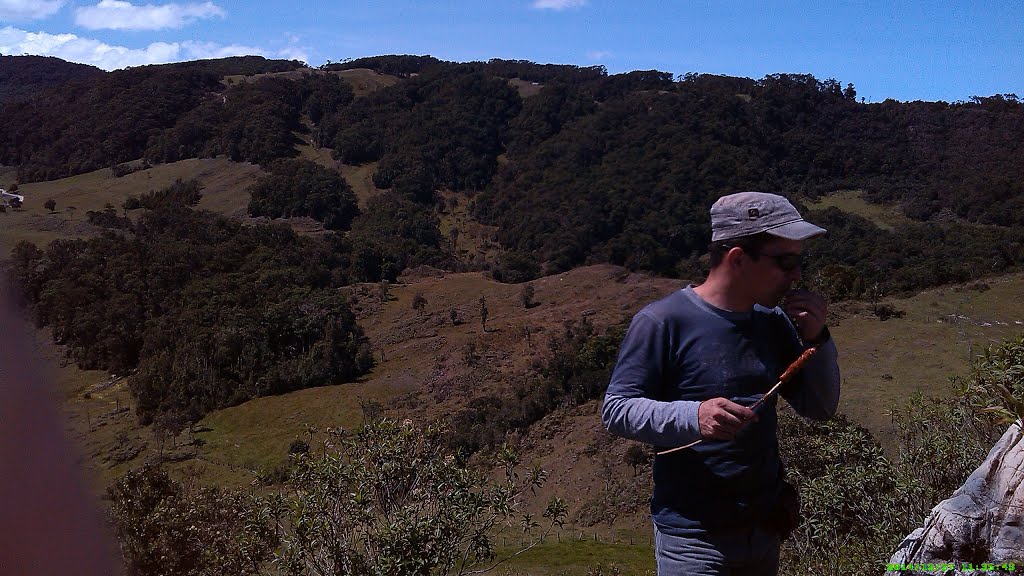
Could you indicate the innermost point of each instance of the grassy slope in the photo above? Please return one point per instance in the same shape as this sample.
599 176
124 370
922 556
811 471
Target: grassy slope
885 217
884 362
224 185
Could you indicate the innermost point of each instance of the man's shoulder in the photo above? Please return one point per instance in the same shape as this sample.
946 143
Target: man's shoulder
675 306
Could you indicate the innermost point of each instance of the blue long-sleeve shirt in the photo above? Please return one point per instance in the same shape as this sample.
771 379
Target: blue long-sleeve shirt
680 351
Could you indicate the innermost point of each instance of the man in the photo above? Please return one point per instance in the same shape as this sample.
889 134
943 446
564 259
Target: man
689 367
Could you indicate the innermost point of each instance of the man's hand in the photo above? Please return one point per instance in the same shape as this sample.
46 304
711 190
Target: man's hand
807 311
721 419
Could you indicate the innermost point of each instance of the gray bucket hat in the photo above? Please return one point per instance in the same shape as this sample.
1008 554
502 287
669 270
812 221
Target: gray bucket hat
746 213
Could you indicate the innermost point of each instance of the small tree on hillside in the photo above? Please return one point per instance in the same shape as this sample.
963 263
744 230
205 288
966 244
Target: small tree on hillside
636 456
454 235
50 205
419 301
483 313
526 294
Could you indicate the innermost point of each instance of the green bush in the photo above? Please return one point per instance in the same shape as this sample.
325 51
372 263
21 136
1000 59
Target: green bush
170 528
995 386
854 500
390 499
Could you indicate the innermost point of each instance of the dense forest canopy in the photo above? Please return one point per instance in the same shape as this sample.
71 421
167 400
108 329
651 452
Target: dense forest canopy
91 123
22 77
205 312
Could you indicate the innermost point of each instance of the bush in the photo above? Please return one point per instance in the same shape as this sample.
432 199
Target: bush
298 446
995 387
886 311
390 499
174 529
856 504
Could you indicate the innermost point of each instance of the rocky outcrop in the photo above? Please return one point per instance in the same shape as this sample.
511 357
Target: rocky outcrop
982 523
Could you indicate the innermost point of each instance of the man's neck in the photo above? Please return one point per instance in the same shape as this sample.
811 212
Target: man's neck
721 294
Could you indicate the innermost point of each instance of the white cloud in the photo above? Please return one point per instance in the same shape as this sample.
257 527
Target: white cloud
599 54
19 10
558 4
294 53
121 15
89 51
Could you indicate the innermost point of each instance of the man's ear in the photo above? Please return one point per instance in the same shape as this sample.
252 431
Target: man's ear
734 257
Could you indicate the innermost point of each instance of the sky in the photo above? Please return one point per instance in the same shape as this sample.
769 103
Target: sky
906 50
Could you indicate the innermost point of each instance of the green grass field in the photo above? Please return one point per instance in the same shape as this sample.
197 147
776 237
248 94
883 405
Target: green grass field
224 184
575 553
852 201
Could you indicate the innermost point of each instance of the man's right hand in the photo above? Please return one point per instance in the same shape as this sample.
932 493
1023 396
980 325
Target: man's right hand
722 419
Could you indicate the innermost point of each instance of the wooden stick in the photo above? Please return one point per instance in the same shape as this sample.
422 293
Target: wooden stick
786 376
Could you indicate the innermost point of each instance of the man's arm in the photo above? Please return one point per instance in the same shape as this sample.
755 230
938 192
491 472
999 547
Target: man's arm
815 392
630 407
651 421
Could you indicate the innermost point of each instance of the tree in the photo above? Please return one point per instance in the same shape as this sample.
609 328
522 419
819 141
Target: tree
454 235
636 456
390 499
131 203
483 313
50 205
419 301
526 294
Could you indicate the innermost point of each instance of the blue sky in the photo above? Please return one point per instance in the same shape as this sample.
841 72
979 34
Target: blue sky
920 50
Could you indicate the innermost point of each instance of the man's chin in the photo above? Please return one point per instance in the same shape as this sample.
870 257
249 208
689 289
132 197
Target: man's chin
775 300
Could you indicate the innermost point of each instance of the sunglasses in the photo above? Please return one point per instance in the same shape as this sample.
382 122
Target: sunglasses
787 262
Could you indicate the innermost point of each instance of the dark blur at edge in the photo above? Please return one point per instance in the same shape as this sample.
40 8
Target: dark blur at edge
49 523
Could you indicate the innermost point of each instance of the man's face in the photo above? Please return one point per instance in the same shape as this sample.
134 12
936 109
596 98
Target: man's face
773 271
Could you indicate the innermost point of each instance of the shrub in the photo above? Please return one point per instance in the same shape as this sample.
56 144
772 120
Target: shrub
390 499
526 295
169 528
856 504
995 387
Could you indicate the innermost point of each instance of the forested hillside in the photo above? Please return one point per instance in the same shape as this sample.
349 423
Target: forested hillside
593 168
109 118
22 77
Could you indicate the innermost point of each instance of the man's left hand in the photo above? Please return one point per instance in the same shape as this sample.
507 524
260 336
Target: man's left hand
807 311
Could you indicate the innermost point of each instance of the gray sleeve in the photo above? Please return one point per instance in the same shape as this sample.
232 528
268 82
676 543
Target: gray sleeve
651 421
817 395
631 408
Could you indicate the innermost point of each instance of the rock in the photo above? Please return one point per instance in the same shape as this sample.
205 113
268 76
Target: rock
983 522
